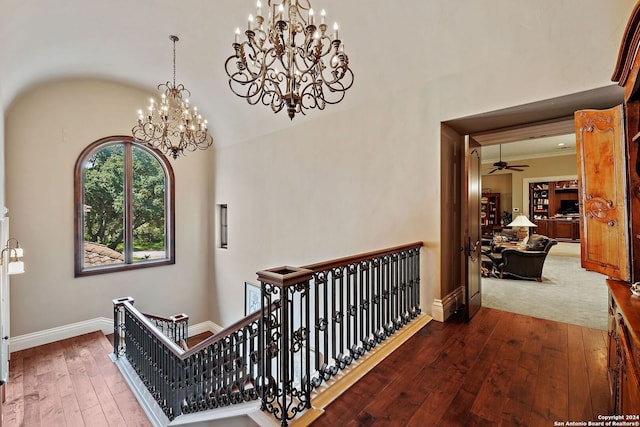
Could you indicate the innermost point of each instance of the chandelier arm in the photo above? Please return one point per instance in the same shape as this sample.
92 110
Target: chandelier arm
251 85
272 95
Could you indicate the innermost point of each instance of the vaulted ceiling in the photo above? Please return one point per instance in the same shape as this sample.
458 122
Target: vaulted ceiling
392 46
128 41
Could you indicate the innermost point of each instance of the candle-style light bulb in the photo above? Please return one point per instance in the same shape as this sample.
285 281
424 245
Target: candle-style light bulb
237 34
335 31
258 8
250 22
323 14
311 17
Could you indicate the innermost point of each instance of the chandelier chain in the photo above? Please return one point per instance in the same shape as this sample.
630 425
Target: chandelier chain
174 39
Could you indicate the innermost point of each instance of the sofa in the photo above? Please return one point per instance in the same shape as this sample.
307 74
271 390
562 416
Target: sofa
526 263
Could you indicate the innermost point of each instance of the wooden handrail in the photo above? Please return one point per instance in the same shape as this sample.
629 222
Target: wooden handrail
327 265
152 328
177 350
175 318
225 332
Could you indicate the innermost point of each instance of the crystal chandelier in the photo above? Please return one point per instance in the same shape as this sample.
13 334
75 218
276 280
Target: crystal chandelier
172 125
289 60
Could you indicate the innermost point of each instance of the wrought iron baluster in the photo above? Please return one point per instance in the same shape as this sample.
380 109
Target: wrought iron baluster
325 319
378 299
349 309
316 322
367 306
395 288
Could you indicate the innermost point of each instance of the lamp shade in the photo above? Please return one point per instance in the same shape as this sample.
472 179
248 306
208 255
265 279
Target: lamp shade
16 267
521 221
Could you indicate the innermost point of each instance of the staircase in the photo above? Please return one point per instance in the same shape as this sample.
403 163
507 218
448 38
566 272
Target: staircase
319 329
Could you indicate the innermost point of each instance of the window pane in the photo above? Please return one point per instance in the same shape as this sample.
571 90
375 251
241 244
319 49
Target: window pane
103 207
148 196
124 202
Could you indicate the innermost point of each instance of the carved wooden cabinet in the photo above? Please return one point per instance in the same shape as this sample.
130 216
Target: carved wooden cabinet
624 349
609 196
601 147
561 229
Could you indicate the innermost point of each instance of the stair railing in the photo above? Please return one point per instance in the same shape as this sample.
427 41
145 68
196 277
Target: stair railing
175 327
315 322
327 316
219 371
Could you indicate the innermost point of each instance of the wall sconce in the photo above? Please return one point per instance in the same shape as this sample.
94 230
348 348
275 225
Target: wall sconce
16 266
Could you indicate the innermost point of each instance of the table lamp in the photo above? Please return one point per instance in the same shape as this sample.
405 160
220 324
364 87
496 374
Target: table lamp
523 223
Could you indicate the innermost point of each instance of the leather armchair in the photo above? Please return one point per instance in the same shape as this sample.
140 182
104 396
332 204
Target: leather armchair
528 263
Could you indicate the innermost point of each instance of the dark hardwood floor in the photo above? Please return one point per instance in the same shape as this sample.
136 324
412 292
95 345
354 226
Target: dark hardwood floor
500 369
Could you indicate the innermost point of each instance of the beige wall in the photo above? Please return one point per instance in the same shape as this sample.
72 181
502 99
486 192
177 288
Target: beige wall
2 161
46 130
367 175
545 168
356 177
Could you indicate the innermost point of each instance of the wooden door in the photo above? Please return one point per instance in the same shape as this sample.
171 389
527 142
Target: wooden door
472 226
604 237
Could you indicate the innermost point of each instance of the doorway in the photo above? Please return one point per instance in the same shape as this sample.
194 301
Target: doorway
542 185
540 119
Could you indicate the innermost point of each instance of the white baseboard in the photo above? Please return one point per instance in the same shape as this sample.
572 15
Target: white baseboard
103 324
443 308
47 336
207 326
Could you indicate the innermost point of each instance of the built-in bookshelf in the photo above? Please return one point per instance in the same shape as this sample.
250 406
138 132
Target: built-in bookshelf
553 207
552 199
539 201
490 213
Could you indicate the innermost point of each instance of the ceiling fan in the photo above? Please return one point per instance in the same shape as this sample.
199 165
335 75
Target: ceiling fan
500 165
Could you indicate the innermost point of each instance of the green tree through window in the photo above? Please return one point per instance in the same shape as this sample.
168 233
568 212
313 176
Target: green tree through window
124 207
104 197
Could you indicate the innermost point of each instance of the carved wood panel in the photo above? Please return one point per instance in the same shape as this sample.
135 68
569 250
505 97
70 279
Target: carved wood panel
602 180
632 119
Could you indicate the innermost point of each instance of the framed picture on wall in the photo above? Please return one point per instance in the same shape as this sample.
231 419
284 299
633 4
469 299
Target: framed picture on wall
251 298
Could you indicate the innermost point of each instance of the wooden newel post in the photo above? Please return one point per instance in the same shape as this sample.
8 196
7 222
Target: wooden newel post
285 370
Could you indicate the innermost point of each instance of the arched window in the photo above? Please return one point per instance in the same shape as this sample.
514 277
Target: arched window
124 207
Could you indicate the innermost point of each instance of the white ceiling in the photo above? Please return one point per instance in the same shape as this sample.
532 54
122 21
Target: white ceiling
532 148
128 41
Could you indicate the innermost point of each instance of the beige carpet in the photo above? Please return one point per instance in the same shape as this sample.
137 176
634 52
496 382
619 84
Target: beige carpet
566 249
568 293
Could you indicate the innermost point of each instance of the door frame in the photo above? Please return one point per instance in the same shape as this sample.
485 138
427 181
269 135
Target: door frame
543 118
